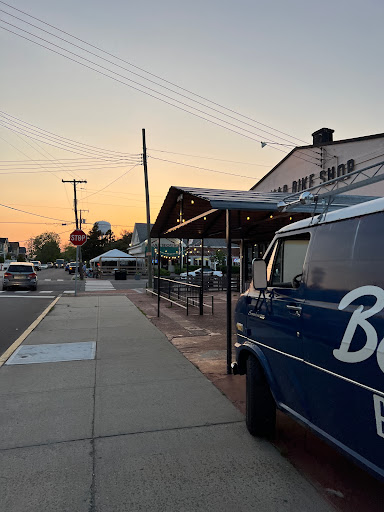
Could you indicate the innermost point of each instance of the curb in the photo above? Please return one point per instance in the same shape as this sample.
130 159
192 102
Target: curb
7 354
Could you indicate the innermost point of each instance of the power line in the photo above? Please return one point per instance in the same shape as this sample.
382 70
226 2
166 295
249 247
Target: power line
208 158
136 67
109 184
146 87
35 214
204 168
56 141
95 149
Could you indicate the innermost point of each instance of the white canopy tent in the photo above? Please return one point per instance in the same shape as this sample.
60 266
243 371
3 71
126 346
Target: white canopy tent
116 259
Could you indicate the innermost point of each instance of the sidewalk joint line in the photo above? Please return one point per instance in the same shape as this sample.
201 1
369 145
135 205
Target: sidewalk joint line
110 436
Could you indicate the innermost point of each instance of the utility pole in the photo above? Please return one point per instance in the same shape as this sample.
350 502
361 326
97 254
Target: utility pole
149 244
77 224
80 249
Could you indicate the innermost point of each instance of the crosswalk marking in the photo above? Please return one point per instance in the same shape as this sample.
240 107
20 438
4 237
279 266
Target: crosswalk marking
47 279
46 291
98 285
60 279
22 291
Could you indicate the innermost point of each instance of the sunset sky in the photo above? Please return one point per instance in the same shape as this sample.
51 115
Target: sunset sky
289 68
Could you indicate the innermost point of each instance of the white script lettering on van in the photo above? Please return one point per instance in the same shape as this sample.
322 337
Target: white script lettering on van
378 402
359 318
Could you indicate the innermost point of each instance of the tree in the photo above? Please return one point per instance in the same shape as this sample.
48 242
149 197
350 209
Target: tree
21 257
97 243
69 253
45 247
220 257
123 243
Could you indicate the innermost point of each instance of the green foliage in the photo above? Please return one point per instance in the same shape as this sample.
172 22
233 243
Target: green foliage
164 272
8 256
123 243
220 257
1 258
45 247
69 253
21 257
97 243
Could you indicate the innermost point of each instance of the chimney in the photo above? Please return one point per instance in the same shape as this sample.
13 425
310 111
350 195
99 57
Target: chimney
322 136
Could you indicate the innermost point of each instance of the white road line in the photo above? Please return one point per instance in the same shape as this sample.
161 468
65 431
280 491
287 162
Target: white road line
69 291
47 279
60 279
26 296
19 291
46 291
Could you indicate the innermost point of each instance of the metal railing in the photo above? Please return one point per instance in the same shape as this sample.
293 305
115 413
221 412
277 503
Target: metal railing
214 283
182 294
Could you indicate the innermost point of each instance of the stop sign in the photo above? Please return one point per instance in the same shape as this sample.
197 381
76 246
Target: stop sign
78 237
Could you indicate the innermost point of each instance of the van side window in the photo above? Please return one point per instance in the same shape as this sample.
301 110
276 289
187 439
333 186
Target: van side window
289 260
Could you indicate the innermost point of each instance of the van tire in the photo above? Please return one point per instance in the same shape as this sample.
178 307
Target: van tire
260 405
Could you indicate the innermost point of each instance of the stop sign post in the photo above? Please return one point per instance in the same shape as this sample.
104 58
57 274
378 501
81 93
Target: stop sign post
78 237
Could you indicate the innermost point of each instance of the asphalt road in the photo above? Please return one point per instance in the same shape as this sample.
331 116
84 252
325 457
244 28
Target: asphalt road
20 307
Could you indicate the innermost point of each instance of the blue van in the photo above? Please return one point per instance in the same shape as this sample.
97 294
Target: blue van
310 331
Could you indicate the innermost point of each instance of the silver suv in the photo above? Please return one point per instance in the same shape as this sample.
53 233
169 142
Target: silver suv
20 274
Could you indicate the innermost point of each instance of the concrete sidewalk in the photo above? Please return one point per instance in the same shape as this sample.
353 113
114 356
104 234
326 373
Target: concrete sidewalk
136 428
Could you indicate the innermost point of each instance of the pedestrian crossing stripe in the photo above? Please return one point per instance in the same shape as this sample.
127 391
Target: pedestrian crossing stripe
46 291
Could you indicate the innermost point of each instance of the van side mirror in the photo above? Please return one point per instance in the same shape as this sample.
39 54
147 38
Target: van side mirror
259 274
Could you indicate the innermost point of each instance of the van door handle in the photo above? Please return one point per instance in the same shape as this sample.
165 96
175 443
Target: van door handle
295 310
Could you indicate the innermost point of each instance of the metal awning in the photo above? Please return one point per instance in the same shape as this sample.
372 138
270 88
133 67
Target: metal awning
200 213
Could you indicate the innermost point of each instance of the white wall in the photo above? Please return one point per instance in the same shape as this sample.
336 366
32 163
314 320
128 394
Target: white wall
299 166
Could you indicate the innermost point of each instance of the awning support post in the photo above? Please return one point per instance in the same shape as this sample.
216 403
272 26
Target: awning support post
229 292
202 279
158 277
242 273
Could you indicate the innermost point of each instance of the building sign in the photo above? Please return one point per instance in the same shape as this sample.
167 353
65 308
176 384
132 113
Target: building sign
309 180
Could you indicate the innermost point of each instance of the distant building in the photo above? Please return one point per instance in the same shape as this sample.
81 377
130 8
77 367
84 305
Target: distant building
169 247
14 249
4 247
211 246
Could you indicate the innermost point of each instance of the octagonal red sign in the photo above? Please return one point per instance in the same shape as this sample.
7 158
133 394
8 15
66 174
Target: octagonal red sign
78 237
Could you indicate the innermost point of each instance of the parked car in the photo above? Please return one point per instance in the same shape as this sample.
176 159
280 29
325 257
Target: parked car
310 331
36 264
207 272
20 274
72 267
50 264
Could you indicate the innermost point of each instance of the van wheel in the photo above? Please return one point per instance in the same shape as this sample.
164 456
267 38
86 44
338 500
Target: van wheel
260 405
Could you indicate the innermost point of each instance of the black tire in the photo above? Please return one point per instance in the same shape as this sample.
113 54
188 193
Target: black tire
260 405
33 288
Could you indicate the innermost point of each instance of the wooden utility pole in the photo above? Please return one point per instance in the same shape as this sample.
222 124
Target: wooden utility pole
149 244
77 224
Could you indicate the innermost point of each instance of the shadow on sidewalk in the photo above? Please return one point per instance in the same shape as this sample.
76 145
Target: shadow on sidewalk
202 340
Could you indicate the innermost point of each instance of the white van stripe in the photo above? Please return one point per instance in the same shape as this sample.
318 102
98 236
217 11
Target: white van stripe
368 388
